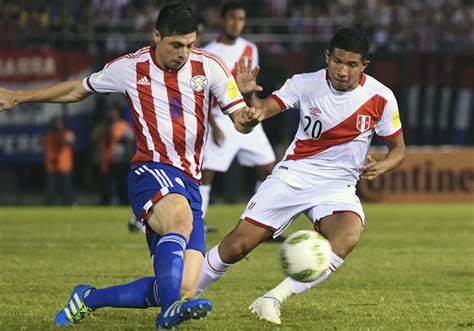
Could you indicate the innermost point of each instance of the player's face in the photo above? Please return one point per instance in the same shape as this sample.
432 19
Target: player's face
233 23
172 52
345 68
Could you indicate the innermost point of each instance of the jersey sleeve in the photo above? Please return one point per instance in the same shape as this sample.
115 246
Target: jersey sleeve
224 88
108 80
389 126
288 96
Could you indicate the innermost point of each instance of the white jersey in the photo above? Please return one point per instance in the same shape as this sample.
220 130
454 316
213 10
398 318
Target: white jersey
242 49
170 108
251 149
335 127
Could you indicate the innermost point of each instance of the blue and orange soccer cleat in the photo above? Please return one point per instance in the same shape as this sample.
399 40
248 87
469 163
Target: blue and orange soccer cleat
75 310
181 311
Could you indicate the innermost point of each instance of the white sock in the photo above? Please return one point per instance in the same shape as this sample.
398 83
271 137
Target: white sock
289 286
212 269
206 194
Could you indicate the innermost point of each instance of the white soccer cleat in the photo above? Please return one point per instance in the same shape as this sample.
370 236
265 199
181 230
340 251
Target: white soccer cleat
267 309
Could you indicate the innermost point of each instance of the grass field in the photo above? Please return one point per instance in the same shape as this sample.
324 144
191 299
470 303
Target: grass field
413 269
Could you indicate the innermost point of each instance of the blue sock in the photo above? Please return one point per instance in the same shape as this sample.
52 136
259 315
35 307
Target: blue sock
141 293
168 265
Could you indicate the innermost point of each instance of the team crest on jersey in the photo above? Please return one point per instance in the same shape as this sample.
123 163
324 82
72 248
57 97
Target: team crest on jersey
198 83
363 122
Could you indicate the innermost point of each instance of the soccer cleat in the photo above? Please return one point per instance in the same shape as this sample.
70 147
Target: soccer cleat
75 310
181 311
267 309
134 225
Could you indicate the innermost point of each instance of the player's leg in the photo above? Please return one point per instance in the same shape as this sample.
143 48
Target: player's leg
262 172
205 188
235 246
171 218
193 260
51 183
267 214
145 188
343 230
142 293
176 217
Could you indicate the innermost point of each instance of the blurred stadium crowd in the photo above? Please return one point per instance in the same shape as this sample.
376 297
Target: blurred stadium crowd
406 24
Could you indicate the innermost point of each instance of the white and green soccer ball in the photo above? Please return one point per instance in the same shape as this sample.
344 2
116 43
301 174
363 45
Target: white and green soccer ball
305 255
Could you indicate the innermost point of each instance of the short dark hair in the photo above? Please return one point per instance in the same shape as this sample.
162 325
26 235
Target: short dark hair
351 40
229 6
176 19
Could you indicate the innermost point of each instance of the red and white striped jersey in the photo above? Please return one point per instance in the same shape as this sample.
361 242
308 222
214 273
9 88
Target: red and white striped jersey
336 128
242 49
170 108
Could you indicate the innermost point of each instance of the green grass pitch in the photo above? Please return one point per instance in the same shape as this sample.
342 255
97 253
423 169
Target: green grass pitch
412 270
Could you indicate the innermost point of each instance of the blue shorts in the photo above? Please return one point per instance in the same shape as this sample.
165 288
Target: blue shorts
149 182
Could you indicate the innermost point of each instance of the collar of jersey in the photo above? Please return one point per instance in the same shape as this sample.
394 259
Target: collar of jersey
341 93
155 62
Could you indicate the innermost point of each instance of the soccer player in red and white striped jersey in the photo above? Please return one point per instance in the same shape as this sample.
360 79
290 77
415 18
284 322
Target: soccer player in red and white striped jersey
341 108
168 88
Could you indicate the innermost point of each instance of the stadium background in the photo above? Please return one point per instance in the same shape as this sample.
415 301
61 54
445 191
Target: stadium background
421 49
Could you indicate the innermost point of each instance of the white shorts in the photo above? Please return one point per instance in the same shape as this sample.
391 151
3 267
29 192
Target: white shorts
251 149
276 204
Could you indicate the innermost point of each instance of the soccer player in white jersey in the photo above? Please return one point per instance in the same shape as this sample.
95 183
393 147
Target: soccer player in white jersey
340 110
168 88
253 149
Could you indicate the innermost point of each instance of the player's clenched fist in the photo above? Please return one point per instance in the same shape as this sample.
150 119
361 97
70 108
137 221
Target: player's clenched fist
372 169
251 116
7 99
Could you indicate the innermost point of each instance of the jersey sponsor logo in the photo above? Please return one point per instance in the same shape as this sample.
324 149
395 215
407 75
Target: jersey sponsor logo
363 122
315 111
198 83
232 89
143 81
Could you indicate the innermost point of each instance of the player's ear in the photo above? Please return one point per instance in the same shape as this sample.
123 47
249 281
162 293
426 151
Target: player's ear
156 36
365 63
326 55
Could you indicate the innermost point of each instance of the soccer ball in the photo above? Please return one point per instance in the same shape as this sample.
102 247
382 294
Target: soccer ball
305 255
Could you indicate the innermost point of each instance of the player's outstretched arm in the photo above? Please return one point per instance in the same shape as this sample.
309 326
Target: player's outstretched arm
64 92
393 159
247 84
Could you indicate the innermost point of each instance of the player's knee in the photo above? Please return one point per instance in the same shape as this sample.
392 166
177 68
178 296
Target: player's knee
343 245
176 217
